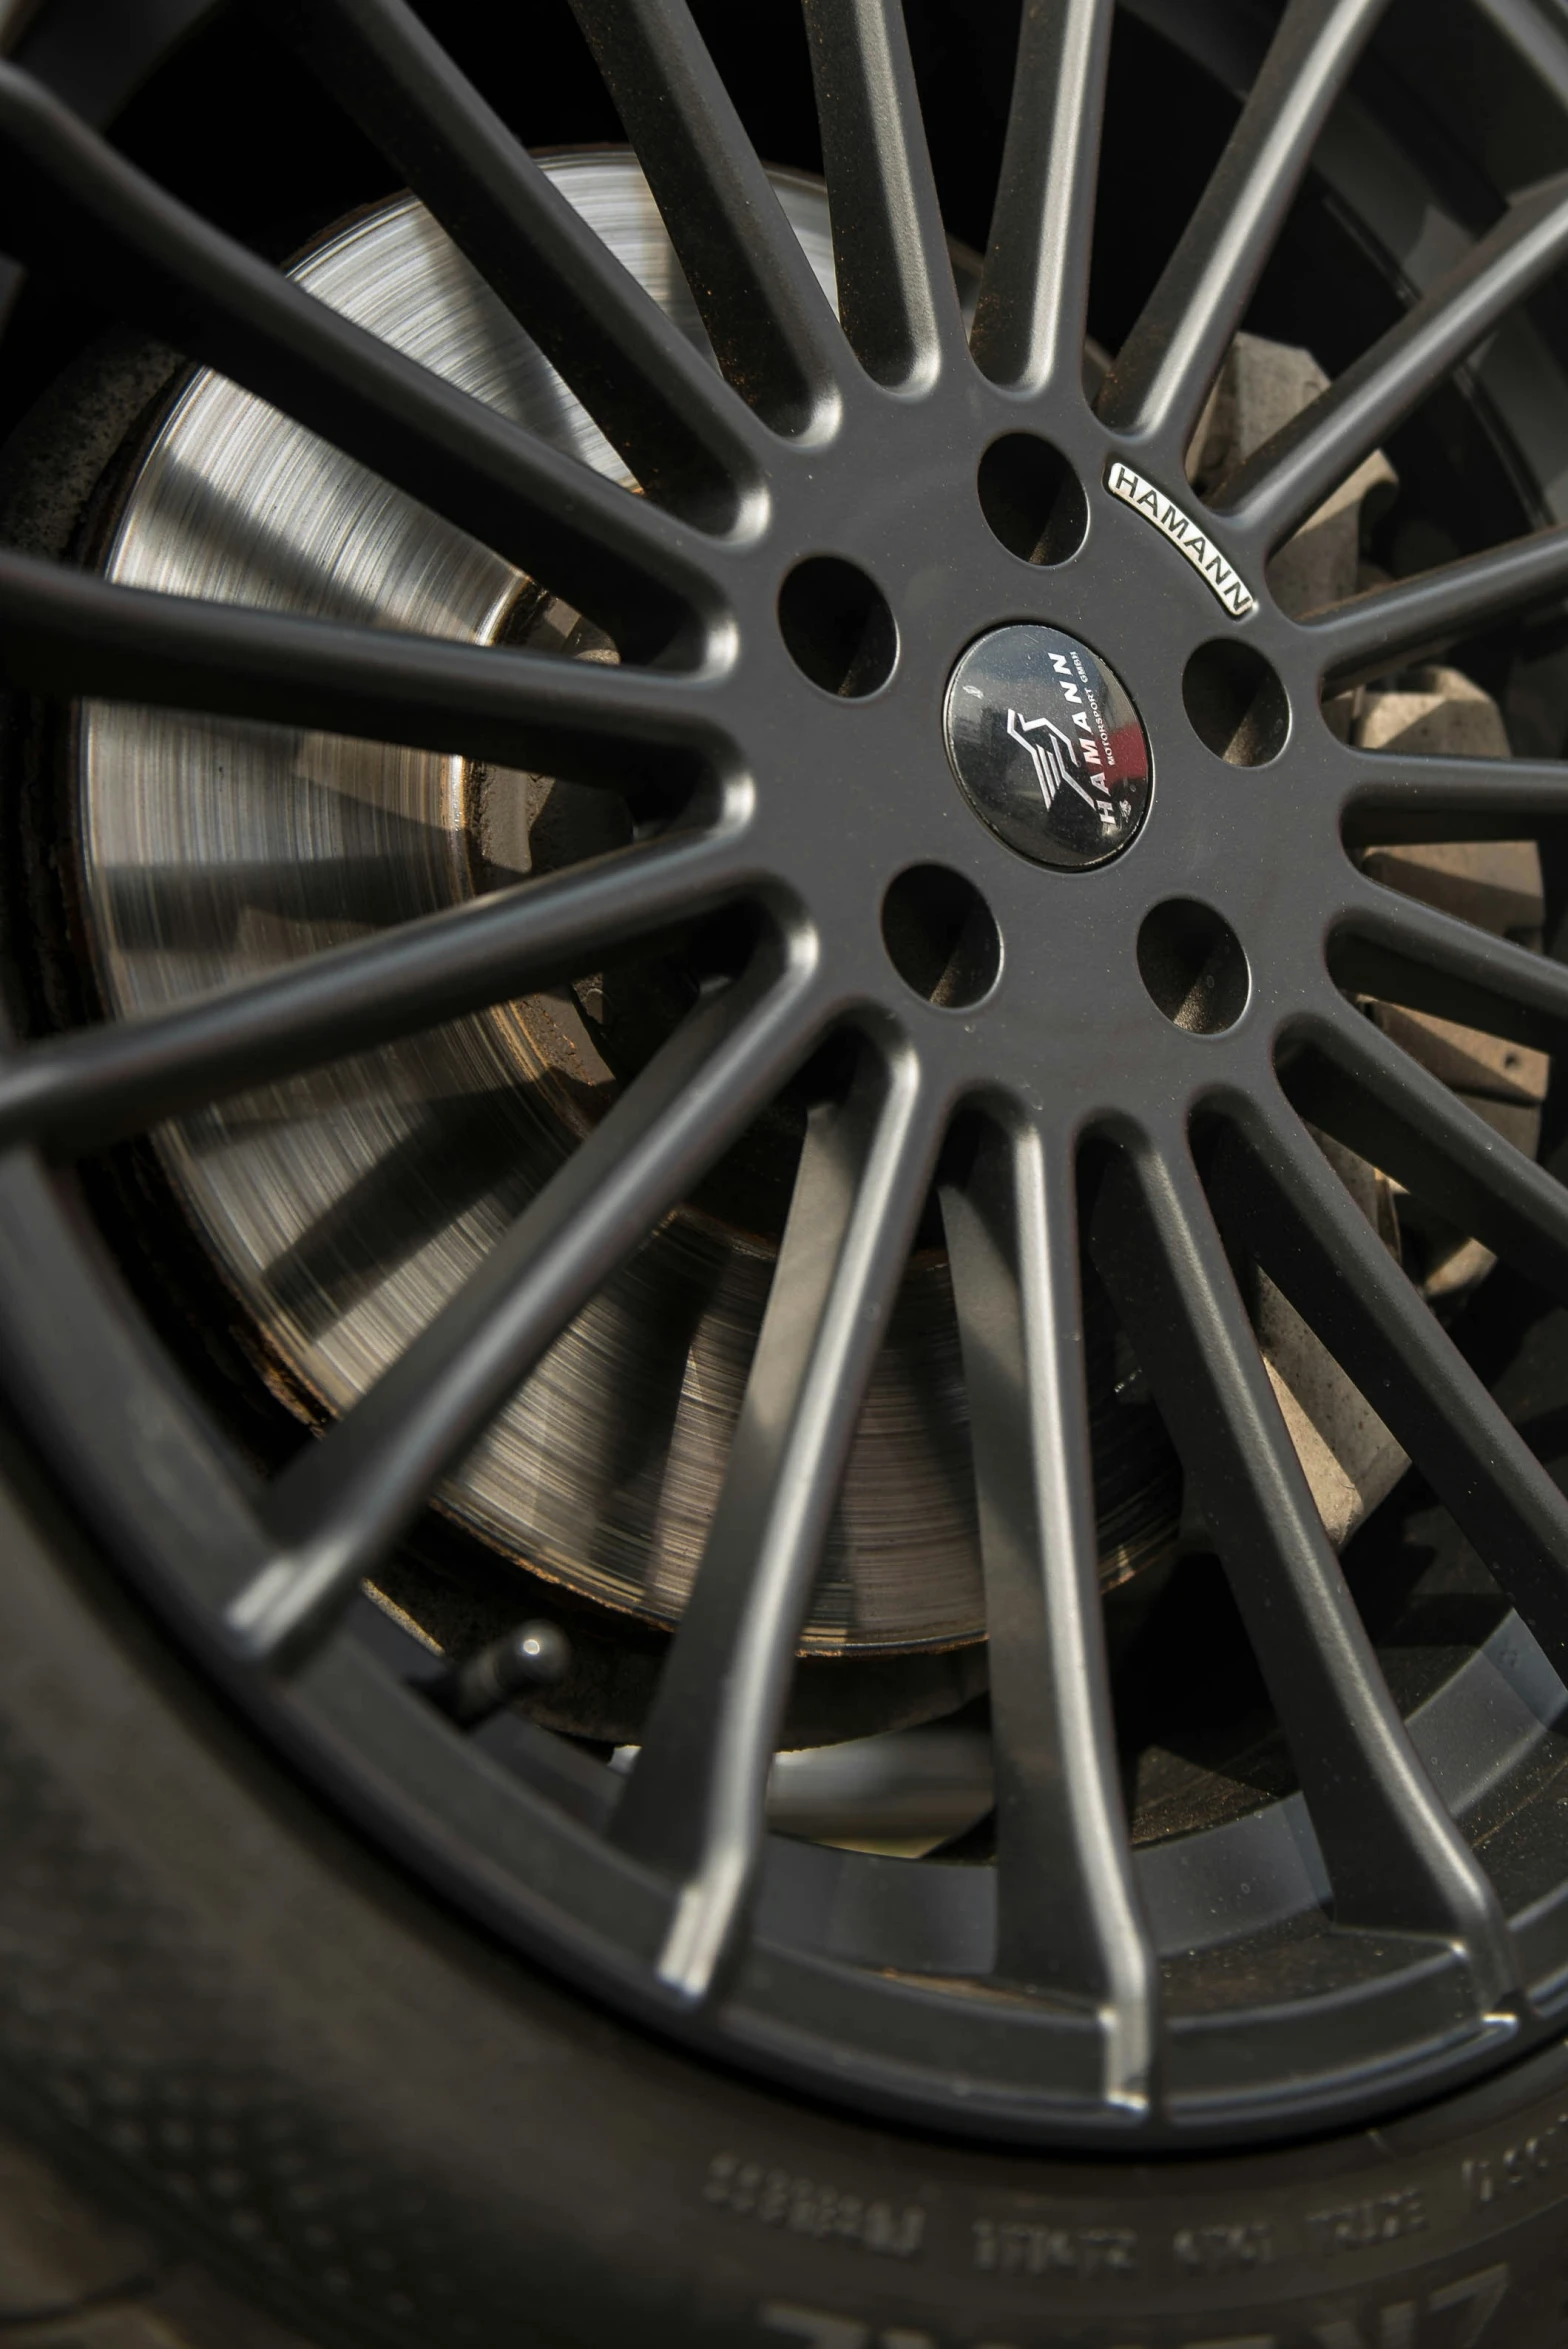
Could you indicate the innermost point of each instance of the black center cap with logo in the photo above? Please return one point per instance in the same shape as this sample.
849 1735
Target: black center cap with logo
1048 747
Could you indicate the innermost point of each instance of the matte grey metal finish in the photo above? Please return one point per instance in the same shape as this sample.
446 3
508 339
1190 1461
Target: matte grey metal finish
1068 1917
897 300
190 654
1300 466
695 1803
1073 1101
1424 958
1162 374
1361 1088
775 337
92 1086
626 358
342 1504
1394 1857
1034 295
1296 1218
205 869
1406 622
71 201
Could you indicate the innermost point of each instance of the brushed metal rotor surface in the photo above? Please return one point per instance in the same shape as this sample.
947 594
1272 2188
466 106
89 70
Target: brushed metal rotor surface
344 1207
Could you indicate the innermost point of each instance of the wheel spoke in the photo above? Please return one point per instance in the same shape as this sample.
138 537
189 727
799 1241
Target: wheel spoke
897 296
1165 368
70 633
1290 475
1364 1090
98 1084
338 1508
70 204
695 1805
1427 799
1274 1191
1394 947
1395 1859
771 327
1030 318
681 432
1068 1916
1395 625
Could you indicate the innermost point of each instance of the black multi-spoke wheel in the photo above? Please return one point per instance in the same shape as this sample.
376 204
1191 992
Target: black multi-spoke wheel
771 987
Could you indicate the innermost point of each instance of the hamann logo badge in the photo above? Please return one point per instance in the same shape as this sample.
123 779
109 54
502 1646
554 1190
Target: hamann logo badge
1185 534
1048 747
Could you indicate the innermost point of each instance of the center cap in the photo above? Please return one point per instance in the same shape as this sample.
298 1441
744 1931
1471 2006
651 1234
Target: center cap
1048 747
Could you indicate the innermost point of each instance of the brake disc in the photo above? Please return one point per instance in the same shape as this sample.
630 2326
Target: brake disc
345 1207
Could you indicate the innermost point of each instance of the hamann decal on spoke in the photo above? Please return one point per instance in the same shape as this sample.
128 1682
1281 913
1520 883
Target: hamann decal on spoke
1199 549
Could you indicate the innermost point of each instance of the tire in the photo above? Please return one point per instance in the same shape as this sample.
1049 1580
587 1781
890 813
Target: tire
269 2047
274 2078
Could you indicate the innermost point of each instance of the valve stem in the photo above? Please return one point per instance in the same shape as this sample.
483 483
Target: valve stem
530 1656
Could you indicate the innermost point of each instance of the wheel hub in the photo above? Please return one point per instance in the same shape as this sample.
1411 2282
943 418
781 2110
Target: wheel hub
1048 748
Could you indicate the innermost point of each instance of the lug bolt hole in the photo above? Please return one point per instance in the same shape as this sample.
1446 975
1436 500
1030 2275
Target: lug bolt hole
838 627
1191 961
941 937
1032 498
1236 703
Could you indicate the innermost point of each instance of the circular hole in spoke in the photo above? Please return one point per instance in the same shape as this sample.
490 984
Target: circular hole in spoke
1032 498
837 625
941 937
1191 962
1236 703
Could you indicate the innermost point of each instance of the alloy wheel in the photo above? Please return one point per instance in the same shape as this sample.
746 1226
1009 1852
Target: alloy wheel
985 789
